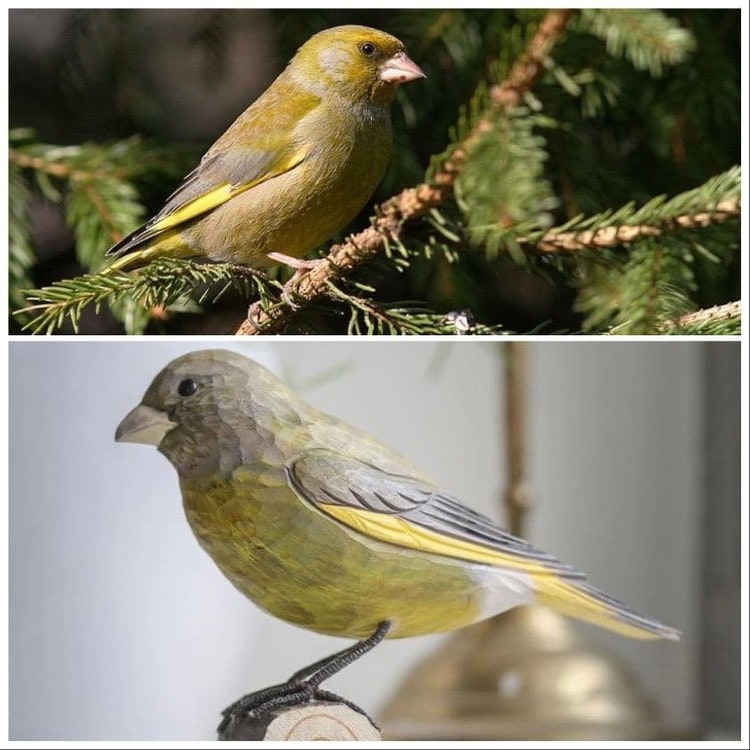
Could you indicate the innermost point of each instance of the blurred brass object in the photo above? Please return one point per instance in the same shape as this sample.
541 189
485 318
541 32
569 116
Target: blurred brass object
517 496
523 675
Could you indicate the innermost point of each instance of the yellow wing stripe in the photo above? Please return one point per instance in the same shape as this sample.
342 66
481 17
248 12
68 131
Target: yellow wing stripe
169 244
221 194
551 589
402 533
199 206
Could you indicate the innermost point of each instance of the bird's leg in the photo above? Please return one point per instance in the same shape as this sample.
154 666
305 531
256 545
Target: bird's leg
322 670
299 265
304 686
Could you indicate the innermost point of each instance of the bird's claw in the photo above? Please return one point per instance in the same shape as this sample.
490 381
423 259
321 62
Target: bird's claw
284 695
287 295
303 686
299 265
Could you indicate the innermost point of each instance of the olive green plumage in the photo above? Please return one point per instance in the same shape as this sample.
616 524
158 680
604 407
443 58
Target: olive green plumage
295 167
235 437
273 548
325 527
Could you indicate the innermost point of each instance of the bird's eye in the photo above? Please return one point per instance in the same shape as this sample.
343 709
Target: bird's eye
367 49
187 387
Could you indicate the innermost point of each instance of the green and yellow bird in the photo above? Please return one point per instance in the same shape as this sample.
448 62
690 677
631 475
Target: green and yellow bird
294 168
327 528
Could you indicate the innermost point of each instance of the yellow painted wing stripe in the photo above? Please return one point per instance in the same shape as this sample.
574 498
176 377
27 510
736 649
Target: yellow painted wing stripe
551 589
402 533
569 600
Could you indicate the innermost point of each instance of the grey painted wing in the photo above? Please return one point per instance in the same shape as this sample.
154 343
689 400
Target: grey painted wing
323 477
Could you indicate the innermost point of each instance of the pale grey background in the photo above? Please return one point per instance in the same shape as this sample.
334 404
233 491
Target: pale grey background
122 628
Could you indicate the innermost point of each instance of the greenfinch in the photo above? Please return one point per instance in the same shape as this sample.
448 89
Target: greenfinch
327 528
294 168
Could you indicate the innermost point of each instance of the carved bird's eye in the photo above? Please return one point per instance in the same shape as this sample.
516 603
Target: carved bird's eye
368 49
187 387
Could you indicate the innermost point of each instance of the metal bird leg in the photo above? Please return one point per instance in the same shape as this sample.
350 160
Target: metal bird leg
303 686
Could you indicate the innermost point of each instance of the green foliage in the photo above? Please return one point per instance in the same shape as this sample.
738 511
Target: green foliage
640 292
558 220
21 256
91 181
406 319
731 326
650 287
93 184
649 39
497 211
720 323
163 284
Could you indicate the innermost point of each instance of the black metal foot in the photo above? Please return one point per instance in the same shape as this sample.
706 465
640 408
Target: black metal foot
303 686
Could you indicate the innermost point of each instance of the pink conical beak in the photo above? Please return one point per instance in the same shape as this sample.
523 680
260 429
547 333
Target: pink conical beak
399 69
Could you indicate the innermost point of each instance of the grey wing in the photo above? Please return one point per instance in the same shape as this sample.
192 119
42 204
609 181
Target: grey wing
323 477
242 165
214 170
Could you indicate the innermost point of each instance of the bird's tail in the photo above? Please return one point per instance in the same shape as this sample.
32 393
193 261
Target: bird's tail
127 262
168 244
578 599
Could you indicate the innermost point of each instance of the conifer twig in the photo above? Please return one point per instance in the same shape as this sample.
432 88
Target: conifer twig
567 242
708 315
161 283
411 203
55 168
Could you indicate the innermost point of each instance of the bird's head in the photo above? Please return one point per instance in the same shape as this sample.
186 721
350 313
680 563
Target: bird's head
360 64
210 411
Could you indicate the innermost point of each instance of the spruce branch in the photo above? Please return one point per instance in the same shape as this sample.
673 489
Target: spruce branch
654 284
161 284
52 166
406 319
120 160
93 182
712 320
624 234
649 39
508 94
715 202
411 203
532 63
371 319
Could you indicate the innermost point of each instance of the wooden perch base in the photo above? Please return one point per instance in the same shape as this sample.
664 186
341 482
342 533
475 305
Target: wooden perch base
316 720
